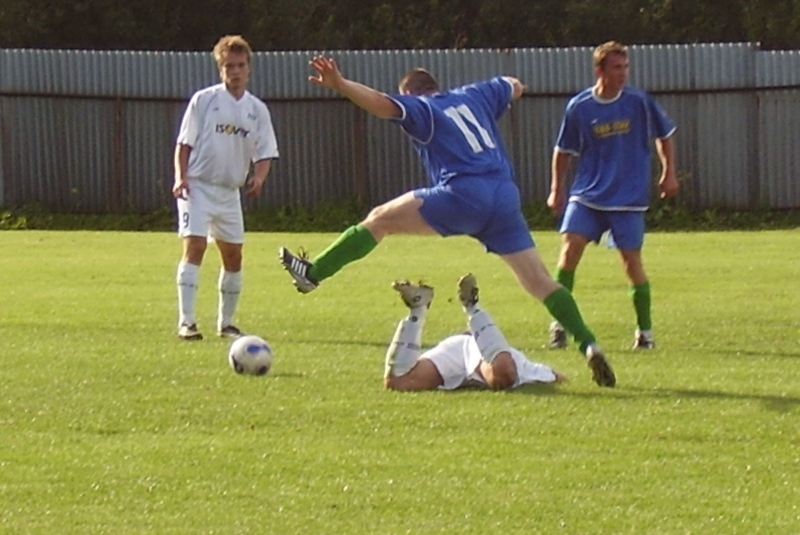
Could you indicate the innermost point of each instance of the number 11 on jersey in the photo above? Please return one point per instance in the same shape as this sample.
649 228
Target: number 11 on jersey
461 114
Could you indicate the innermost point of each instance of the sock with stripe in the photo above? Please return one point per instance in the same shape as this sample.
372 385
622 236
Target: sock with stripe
354 243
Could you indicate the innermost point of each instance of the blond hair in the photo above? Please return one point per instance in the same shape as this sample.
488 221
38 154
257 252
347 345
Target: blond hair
606 49
231 43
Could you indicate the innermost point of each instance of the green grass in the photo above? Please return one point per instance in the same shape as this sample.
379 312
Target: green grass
109 424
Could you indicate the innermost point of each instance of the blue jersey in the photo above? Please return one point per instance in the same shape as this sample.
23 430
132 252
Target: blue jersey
613 140
455 132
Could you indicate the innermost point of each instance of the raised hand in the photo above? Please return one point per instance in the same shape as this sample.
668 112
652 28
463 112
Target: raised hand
328 74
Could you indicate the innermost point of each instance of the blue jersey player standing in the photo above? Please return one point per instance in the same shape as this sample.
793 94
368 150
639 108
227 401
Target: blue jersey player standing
610 128
472 190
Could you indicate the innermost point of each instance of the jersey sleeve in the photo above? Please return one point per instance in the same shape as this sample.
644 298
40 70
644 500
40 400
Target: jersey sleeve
267 144
416 118
661 126
497 93
190 125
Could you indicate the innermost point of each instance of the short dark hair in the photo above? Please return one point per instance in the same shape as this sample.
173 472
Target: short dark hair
418 82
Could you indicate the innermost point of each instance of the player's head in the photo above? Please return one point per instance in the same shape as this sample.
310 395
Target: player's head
418 82
232 54
611 64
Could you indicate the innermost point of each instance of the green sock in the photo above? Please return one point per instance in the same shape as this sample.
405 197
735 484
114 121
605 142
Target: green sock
565 278
354 243
641 304
564 309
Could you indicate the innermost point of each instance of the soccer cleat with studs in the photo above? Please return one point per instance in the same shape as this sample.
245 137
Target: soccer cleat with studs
189 332
643 340
468 290
298 267
602 374
230 331
414 295
558 336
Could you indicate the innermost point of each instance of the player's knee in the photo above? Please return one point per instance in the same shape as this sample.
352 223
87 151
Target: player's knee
503 375
502 381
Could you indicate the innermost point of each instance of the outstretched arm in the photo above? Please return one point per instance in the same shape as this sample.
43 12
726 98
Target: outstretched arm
371 100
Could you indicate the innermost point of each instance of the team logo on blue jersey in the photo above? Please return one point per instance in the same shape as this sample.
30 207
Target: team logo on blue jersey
232 130
615 128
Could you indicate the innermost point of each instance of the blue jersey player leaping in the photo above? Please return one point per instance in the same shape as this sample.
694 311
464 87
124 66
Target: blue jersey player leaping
610 128
472 189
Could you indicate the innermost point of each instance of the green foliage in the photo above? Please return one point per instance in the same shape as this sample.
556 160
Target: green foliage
328 217
112 425
388 24
664 215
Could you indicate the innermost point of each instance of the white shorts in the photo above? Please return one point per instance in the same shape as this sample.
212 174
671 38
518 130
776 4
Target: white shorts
457 359
212 211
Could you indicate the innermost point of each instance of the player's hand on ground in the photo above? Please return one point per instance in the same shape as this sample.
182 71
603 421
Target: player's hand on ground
328 74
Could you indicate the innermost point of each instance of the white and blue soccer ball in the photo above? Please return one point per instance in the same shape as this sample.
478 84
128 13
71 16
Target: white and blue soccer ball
250 355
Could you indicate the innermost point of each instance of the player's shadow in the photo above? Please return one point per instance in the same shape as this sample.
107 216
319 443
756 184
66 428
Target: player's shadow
349 342
754 353
634 393
288 375
771 402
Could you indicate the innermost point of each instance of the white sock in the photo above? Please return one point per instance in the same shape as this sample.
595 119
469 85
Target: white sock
230 287
406 345
486 334
187 279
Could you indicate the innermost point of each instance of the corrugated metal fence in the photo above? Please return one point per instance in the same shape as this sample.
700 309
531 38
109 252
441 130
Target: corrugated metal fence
94 131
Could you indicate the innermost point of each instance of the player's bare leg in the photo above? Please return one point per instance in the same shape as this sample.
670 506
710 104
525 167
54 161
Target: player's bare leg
533 276
398 216
497 368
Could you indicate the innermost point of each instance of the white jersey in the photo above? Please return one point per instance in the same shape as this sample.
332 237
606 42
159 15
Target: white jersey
457 358
226 136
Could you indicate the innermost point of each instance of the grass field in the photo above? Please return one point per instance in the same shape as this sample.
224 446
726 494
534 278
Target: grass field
110 424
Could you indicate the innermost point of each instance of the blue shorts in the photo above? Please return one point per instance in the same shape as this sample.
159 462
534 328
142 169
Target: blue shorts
486 209
627 228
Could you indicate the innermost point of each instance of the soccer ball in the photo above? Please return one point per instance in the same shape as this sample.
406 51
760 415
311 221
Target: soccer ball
250 355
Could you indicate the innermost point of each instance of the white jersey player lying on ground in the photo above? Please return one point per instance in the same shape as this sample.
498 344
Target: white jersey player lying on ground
480 357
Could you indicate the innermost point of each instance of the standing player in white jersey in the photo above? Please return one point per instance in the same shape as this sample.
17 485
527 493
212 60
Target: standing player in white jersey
225 131
610 128
473 191
480 357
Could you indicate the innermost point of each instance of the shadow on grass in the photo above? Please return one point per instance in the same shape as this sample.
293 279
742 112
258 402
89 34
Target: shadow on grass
288 375
349 342
633 393
771 402
751 353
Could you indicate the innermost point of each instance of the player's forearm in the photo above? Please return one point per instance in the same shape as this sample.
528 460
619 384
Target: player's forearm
559 168
666 153
369 99
261 170
181 161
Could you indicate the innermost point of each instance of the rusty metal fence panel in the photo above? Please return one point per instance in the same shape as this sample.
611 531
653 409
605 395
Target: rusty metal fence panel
94 131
